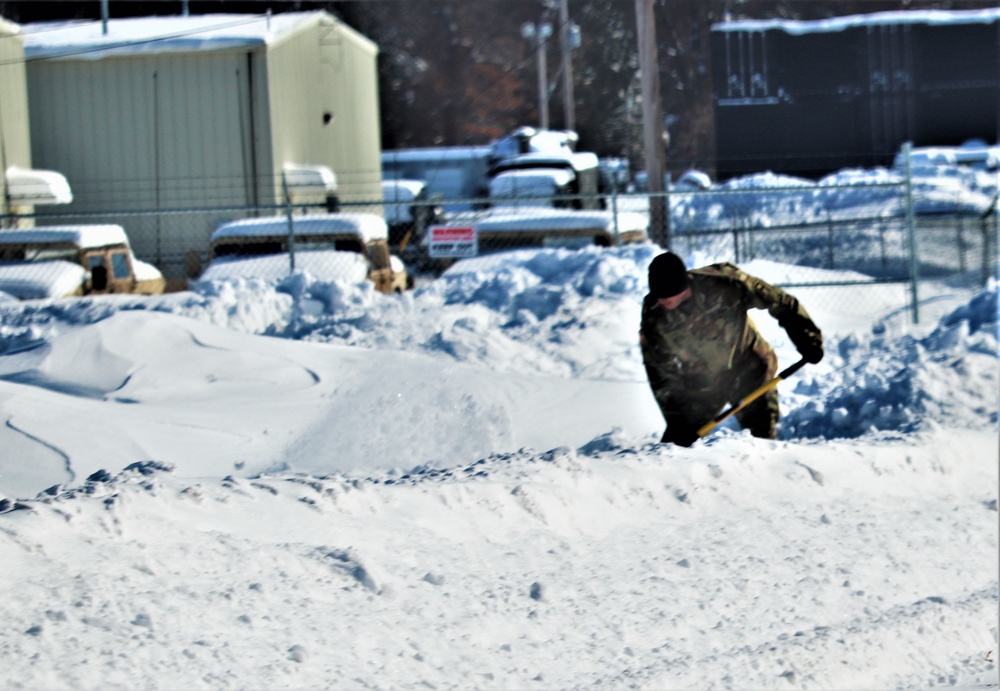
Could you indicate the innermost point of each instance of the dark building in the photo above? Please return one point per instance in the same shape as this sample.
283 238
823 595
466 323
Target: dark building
809 98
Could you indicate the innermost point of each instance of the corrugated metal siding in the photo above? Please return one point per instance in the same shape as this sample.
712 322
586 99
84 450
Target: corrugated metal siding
328 68
15 142
147 132
181 131
203 115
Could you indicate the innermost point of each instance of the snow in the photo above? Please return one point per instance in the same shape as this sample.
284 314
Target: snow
92 40
503 220
43 279
347 266
531 187
81 236
366 227
29 186
301 483
868 19
144 271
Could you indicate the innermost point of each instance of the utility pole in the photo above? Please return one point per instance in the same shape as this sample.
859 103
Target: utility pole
543 85
539 35
565 34
652 123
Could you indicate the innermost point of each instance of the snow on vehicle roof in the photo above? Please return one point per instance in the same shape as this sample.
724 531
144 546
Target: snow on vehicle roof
555 220
856 20
527 181
971 153
580 160
33 280
149 35
324 265
401 190
29 186
81 236
368 227
436 153
144 271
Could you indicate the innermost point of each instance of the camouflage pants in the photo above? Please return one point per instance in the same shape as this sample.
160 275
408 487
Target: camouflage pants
694 409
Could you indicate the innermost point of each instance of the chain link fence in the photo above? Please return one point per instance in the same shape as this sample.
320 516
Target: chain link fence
897 232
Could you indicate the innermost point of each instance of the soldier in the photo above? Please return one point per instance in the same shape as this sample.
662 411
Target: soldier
702 351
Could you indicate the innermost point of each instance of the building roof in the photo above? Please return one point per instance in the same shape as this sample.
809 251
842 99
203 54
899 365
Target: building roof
855 20
8 28
87 39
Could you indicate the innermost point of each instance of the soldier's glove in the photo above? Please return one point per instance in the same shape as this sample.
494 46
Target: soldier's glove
680 434
811 351
806 338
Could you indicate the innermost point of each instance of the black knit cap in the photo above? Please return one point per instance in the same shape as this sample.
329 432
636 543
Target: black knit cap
667 276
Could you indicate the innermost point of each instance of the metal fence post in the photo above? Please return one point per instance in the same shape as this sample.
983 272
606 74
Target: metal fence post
291 224
912 232
989 225
829 240
960 240
736 240
614 206
881 244
984 231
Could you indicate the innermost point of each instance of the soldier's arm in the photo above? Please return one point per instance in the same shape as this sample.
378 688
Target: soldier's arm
788 311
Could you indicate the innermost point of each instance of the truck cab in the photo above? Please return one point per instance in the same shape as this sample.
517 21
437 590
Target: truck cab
350 247
63 261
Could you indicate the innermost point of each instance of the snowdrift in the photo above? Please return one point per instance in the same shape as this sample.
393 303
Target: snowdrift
461 487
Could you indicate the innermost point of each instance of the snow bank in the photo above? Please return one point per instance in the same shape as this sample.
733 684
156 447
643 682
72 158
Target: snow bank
736 564
564 313
902 384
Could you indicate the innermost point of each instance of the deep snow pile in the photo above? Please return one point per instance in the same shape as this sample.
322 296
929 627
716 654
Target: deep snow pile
575 314
899 383
736 564
859 551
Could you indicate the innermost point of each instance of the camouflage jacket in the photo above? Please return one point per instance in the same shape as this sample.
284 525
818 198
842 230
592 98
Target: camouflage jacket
688 351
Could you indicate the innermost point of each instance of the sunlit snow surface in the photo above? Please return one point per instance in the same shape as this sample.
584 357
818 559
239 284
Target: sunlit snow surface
461 487
307 484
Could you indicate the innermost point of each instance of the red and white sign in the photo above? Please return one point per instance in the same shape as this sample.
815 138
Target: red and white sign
452 241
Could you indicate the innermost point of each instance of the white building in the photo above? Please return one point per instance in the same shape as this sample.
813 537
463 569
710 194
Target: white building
196 112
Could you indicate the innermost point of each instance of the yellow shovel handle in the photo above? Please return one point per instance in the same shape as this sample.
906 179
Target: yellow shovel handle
750 398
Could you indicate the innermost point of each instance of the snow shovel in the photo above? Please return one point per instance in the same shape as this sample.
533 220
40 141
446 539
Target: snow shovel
750 398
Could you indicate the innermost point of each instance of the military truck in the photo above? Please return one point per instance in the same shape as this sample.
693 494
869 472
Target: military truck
64 261
351 247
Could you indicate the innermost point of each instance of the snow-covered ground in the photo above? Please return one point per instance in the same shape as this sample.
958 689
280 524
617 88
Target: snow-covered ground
300 484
